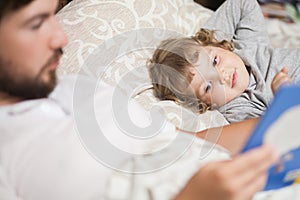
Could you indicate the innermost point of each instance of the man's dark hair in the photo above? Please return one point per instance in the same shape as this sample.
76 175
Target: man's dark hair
7 6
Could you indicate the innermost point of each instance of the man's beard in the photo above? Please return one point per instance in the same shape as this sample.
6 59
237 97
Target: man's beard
17 85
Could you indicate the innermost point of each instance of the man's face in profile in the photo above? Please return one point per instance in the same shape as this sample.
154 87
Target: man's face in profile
30 48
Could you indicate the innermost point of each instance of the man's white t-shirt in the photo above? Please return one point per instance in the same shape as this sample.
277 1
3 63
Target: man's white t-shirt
49 148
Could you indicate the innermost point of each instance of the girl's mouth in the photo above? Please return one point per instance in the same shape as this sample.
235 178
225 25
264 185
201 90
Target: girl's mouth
234 79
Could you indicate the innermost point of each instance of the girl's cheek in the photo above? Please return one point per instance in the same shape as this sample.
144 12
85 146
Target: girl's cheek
218 96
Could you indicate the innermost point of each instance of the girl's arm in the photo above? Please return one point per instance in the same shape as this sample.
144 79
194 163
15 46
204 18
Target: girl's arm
242 20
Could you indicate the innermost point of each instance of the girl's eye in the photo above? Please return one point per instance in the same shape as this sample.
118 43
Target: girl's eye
215 61
208 87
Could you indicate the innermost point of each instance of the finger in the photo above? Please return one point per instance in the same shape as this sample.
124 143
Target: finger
258 153
282 80
255 162
255 185
255 168
284 70
279 76
246 168
277 83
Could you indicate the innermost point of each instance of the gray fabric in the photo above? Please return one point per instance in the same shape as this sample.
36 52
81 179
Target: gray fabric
242 22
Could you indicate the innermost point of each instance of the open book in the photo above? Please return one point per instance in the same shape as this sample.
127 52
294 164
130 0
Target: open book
280 127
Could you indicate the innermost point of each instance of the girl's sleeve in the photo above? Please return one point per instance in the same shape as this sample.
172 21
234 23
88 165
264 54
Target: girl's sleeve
241 21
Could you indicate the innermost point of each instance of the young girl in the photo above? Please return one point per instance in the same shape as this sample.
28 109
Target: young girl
231 72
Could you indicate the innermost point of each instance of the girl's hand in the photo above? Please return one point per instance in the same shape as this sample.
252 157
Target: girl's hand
280 79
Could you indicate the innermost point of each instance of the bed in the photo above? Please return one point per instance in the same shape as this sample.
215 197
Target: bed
95 24
112 40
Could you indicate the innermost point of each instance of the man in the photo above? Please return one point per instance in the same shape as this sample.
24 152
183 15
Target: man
41 155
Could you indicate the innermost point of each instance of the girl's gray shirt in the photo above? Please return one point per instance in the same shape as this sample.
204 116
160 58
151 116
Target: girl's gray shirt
242 22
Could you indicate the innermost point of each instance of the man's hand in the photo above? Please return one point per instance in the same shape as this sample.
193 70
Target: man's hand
239 178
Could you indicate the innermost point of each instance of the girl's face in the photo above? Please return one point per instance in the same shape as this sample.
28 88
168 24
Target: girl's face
219 75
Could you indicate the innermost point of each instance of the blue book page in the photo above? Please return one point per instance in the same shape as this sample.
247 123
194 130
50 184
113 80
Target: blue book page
280 128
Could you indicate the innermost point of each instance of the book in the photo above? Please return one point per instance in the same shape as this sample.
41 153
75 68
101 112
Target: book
280 128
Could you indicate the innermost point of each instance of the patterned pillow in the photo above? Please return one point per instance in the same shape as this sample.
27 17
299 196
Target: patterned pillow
112 40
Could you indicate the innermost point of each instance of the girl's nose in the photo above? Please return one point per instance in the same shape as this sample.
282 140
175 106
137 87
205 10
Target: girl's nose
225 76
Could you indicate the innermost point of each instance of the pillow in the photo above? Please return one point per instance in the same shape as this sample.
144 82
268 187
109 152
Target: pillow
112 40
183 118
89 23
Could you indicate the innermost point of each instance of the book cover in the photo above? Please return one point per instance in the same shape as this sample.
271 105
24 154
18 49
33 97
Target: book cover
280 127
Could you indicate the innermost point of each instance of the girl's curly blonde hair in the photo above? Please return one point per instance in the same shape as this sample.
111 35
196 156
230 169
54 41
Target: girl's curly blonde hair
169 68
